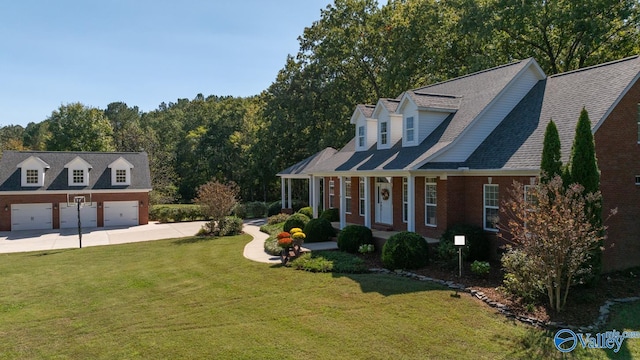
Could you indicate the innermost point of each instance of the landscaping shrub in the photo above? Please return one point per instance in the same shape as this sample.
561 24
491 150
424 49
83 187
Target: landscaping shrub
276 207
318 230
255 209
295 221
276 219
518 278
333 215
353 236
240 210
329 261
230 226
307 210
405 250
478 245
480 268
175 213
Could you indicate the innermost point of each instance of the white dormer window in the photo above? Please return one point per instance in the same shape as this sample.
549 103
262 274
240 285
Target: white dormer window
32 176
410 130
384 133
78 170
32 172
120 172
361 137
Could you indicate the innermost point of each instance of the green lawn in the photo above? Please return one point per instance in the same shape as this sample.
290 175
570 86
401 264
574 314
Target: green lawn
192 298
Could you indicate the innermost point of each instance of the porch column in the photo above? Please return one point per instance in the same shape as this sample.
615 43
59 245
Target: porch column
311 191
367 201
316 195
282 198
343 203
411 203
290 203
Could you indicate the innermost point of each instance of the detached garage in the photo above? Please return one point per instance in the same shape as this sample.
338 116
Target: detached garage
38 188
31 216
120 213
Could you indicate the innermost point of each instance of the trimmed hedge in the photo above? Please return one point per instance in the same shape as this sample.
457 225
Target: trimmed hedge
405 250
175 213
333 215
307 210
353 236
318 230
296 220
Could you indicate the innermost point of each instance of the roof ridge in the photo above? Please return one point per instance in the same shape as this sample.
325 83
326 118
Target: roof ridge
472 74
595 66
437 95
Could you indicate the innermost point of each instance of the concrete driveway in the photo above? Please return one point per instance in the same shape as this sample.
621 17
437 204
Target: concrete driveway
37 240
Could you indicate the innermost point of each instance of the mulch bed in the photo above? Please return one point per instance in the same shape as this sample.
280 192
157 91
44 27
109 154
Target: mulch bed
583 303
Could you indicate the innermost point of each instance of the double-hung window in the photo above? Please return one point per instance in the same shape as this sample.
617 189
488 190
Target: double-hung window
361 195
384 133
430 202
347 195
361 142
405 199
332 189
410 129
491 207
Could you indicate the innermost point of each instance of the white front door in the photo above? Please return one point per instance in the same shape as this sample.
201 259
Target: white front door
384 203
31 216
69 216
120 213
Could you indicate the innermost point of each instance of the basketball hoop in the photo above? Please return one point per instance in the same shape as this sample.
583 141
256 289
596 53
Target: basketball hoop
79 200
82 199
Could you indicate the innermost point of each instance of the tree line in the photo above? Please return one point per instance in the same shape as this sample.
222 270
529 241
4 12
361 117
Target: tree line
357 52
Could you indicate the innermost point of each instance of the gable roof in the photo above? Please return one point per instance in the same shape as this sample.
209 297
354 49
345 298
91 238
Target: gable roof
56 177
516 142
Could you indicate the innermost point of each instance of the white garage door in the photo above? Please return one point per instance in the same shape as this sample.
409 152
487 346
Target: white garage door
120 213
31 217
69 216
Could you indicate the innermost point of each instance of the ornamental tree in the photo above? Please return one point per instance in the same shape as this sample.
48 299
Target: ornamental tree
217 201
583 166
552 227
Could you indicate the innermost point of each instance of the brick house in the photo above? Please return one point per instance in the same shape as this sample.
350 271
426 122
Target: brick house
447 153
38 189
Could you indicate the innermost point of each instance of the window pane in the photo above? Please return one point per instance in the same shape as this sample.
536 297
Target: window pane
491 218
431 215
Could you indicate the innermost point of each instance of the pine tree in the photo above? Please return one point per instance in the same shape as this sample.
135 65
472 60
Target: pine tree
551 165
583 166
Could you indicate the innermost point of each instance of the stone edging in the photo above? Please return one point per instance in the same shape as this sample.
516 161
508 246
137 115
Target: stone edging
504 309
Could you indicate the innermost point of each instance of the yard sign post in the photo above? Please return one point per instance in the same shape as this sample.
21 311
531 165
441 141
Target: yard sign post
459 241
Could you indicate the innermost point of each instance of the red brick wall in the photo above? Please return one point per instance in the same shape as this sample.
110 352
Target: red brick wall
56 199
618 155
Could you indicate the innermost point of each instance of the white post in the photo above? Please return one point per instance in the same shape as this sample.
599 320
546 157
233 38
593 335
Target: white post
367 202
290 203
343 203
411 203
282 192
311 191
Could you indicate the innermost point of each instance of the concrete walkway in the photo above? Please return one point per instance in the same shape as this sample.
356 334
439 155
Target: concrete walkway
254 250
43 240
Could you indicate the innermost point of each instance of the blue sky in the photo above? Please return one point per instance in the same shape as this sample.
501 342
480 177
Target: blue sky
141 52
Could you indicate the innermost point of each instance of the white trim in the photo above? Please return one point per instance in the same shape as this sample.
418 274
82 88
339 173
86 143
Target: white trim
411 203
430 181
343 202
58 192
485 206
348 204
367 201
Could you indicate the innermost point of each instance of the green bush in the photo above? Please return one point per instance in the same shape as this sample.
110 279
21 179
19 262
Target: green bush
480 268
230 226
478 245
307 210
255 209
240 210
318 230
175 213
333 215
405 250
329 261
518 280
353 236
276 219
276 207
295 221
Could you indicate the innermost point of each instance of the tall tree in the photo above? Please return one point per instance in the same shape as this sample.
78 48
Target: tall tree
583 165
551 164
75 127
125 122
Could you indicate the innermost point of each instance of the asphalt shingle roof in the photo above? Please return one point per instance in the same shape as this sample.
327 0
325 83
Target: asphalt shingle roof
56 177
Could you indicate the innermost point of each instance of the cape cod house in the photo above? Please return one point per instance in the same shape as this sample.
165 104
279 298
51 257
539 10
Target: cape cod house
447 153
39 190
